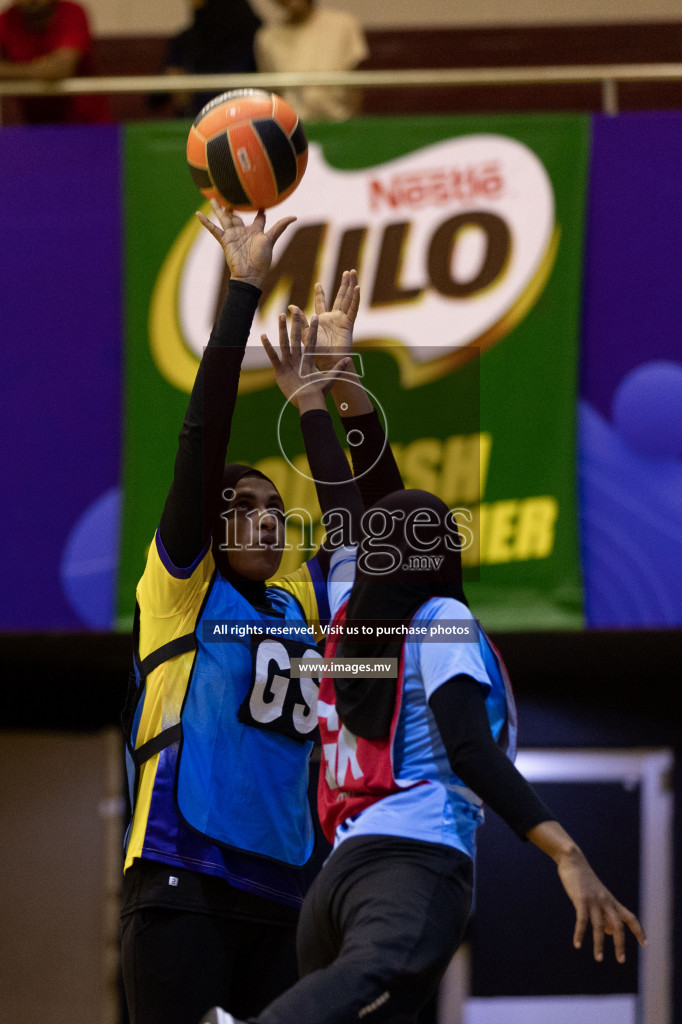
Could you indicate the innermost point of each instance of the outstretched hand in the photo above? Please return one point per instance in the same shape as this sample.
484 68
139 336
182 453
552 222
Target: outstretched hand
335 327
247 247
594 904
296 375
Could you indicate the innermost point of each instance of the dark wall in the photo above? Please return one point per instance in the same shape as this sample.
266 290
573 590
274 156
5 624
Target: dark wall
516 46
524 46
614 688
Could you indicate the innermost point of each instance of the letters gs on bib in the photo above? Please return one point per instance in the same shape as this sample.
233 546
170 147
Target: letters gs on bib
276 702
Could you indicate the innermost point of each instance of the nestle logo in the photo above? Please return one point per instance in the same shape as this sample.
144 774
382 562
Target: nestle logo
416 189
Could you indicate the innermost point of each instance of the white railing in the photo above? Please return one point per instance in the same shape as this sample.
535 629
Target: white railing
608 75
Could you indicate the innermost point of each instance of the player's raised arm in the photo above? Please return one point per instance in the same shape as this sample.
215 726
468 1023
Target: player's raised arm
305 387
194 496
374 466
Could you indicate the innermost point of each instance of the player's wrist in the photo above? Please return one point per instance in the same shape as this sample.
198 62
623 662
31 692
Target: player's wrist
310 397
552 839
255 280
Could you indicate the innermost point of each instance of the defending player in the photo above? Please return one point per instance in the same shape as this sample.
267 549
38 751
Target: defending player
408 764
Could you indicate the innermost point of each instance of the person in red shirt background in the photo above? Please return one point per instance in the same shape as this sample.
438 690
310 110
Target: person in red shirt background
49 40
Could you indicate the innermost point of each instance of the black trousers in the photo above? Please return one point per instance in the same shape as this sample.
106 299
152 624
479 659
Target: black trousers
222 948
377 932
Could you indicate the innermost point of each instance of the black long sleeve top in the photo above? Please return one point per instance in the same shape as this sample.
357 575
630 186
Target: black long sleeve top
459 709
375 470
194 495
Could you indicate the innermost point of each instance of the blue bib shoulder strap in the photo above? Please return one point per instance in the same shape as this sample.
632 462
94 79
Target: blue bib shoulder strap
320 588
136 686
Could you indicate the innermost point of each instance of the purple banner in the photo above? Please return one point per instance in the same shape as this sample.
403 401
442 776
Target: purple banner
631 393
60 324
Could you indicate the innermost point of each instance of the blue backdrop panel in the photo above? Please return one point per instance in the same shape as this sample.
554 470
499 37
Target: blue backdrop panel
60 324
631 391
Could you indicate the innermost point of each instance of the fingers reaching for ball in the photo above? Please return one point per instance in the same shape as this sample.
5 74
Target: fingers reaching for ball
247 247
214 229
227 217
279 227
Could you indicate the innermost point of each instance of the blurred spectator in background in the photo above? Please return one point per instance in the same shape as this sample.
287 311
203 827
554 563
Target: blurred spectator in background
49 40
314 39
219 40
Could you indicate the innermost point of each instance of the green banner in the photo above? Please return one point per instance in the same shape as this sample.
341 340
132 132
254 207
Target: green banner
467 236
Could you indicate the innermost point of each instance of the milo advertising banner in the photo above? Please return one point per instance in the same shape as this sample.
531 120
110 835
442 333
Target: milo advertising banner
467 238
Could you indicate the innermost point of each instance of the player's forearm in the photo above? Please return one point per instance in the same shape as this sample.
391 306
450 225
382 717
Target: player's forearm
554 840
490 774
374 466
336 489
193 499
459 709
350 397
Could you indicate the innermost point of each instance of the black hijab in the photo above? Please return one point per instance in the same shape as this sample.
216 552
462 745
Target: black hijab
252 590
409 552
